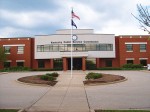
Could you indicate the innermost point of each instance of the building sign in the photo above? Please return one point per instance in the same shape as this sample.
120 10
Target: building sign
78 42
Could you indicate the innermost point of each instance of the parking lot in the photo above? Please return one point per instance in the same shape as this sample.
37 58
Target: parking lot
131 94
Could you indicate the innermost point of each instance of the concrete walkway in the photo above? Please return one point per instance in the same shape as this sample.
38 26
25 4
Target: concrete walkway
68 95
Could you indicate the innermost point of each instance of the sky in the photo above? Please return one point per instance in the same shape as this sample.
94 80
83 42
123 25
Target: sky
27 18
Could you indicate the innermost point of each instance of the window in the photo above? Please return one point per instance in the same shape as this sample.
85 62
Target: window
58 63
40 48
129 47
20 64
7 64
129 61
142 47
104 47
41 64
143 62
108 63
20 50
75 47
7 49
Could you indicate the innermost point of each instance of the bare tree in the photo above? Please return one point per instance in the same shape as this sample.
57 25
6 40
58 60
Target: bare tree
143 18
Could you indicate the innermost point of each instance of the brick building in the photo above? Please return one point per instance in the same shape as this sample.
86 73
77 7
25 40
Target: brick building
105 50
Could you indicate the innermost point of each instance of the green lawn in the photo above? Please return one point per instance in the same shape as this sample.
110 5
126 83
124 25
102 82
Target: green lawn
122 110
8 110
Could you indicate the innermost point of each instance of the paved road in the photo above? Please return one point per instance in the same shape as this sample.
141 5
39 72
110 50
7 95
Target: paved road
15 95
70 94
131 94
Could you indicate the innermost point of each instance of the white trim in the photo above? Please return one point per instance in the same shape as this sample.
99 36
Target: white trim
14 45
129 58
20 52
8 61
135 42
129 51
142 50
143 58
20 60
7 53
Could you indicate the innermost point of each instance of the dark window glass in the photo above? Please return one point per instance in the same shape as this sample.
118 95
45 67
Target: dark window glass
129 61
58 63
7 49
108 63
6 64
142 47
143 62
129 47
20 64
41 63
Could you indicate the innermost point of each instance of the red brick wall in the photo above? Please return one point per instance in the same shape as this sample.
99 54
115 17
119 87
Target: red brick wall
136 54
13 56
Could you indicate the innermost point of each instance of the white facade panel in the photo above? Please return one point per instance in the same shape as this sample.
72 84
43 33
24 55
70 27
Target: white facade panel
83 38
47 55
101 54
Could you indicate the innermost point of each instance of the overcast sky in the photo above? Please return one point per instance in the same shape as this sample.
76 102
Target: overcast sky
41 17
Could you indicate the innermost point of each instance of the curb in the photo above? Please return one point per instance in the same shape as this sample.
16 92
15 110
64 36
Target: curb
21 110
92 110
3 73
95 84
31 84
147 71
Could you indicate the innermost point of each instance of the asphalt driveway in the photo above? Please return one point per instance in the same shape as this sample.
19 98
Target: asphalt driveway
15 95
131 94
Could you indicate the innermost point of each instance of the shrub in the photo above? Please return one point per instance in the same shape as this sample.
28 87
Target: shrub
54 74
44 77
108 68
132 66
16 68
51 78
90 65
92 75
45 69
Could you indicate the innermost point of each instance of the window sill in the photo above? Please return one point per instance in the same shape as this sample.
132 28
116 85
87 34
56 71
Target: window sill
7 53
143 51
129 51
20 53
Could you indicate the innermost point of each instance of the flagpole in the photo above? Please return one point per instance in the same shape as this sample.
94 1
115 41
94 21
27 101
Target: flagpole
71 45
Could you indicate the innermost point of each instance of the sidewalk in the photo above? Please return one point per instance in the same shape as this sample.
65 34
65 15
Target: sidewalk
68 95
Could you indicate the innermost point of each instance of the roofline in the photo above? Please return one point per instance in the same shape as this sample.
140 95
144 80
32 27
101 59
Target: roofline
76 34
133 35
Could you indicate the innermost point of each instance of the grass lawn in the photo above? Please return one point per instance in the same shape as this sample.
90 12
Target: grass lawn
8 110
122 111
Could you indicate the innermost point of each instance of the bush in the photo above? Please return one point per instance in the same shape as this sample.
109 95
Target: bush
54 74
17 68
45 69
90 65
51 78
44 77
132 66
109 68
92 75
